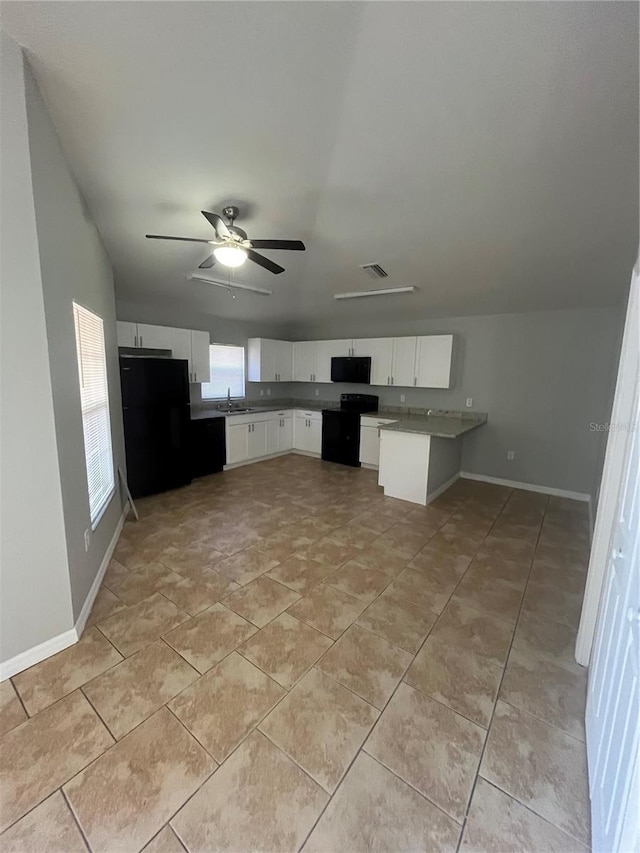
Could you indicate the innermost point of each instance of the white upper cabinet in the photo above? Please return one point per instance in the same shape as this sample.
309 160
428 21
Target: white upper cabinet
181 346
433 361
404 361
127 334
304 361
154 337
200 361
269 360
325 351
381 352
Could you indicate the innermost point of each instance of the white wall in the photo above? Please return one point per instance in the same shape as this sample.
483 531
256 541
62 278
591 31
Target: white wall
35 594
74 266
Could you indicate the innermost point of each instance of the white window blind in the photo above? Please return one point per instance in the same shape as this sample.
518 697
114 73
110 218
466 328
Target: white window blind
227 372
94 395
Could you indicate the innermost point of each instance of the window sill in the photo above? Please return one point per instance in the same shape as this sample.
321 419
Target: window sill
107 502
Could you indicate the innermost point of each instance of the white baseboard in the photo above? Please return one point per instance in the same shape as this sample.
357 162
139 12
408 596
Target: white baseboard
81 621
32 656
443 488
306 453
528 487
62 641
244 462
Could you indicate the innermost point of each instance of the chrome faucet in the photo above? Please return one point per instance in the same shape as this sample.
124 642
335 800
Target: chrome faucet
228 399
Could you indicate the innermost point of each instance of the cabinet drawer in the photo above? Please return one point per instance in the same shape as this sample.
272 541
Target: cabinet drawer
312 416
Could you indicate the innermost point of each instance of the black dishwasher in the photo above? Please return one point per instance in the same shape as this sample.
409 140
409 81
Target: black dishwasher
208 445
341 428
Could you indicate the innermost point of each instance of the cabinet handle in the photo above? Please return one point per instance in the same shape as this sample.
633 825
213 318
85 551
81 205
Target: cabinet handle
140 340
392 380
135 340
388 383
415 380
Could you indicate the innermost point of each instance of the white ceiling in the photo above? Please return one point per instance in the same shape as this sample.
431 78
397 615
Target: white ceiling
485 152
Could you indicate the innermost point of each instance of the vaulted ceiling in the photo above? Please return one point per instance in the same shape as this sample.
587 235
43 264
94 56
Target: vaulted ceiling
485 152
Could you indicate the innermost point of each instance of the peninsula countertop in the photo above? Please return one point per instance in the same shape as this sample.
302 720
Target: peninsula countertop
438 425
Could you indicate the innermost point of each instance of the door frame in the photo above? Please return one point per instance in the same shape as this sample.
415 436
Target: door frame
612 474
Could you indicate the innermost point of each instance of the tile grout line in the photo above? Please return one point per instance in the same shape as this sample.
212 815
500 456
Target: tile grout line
515 628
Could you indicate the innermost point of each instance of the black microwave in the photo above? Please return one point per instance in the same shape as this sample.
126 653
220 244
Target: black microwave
356 369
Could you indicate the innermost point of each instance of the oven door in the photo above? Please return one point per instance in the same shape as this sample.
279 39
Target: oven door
341 437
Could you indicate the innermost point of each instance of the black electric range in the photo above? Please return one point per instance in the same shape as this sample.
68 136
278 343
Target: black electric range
341 428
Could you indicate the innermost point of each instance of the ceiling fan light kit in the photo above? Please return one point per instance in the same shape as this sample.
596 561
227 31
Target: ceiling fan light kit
382 291
230 255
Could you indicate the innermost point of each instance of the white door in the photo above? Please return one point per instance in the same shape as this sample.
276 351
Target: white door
127 334
257 439
268 360
369 445
200 363
325 351
286 434
284 361
237 436
433 361
273 435
315 436
381 352
403 370
154 337
613 700
304 361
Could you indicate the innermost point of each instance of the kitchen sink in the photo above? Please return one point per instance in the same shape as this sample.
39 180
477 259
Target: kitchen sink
240 411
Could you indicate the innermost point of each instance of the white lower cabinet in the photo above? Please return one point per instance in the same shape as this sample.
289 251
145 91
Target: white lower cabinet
254 436
237 445
370 440
307 432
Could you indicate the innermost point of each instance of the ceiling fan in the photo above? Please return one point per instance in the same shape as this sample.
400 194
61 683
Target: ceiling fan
232 245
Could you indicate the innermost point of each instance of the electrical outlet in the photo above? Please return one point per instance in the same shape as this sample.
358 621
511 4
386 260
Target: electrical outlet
511 455
268 392
87 539
469 402
403 397
317 392
262 392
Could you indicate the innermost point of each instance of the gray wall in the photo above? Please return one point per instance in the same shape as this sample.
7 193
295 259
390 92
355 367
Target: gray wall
74 266
542 378
35 594
221 331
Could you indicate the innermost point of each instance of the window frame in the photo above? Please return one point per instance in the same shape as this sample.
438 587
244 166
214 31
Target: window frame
244 373
97 512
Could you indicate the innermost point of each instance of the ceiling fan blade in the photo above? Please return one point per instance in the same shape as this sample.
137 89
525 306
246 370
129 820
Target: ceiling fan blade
208 263
292 245
218 225
276 269
182 239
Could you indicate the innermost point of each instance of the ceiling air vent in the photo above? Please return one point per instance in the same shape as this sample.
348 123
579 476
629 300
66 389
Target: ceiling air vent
374 270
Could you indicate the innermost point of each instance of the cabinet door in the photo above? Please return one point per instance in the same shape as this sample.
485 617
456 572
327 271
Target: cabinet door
127 334
304 361
284 361
268 360
286 434
300 433
325 351
314 441
257 439
381 351
273 436
433 361
369 446
237 441
154 337
200 364
403 371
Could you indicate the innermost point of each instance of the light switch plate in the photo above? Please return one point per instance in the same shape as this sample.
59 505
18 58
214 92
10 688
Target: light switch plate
469 402
268 392
317 392
511 455
403 397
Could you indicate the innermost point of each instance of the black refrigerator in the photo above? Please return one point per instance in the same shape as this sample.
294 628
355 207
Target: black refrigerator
157 417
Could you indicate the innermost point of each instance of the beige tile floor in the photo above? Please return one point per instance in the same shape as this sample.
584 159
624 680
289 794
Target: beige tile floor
280 658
